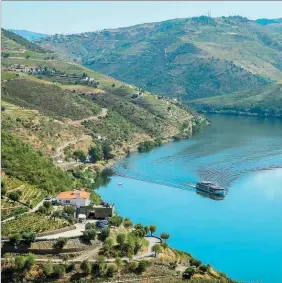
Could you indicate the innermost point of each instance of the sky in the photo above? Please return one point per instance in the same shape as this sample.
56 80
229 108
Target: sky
80 16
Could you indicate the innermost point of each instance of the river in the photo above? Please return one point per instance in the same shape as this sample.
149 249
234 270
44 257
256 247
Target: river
240 235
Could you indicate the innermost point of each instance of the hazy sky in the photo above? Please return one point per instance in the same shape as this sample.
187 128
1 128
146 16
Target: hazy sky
72 17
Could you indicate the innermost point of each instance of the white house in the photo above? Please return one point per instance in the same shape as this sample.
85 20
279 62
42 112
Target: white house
75 197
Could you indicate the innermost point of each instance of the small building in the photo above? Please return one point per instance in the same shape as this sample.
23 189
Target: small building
75 197
97 211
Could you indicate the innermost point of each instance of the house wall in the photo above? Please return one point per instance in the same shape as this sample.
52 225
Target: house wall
77 202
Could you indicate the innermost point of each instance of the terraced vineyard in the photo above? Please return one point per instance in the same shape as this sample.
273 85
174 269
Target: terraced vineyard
31 222
30 194
10 208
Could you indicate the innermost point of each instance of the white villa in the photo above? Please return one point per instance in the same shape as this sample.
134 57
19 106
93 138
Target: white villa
75 197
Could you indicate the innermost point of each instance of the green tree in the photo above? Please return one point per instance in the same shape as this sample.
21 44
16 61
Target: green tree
80 155
56 214
47 205
116 220
60 243
142 266
133 266
86 267
28 237
96 153
127 223
69 209
89 234
111 270
106 147
29 260
165 236
59 270
15 239
14 196
164 245
153 229
121 238
19 262
203 268
195 262
156 249
104 234
118 262
189 272
48 269
3 189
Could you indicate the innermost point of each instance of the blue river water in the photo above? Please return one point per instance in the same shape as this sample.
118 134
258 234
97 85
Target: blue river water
241 234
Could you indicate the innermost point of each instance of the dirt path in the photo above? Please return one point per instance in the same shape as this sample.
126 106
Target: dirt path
103 113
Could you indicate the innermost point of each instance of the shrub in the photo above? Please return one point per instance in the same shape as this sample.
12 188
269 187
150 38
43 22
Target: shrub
133 266
60 243
195 262
121 238
89 234
19 262
69 209
15 239
116 220
90 226
47 205
203 268
59 270
70 267
127 223
142 266
28 237
104 234
190 271
86 267
14 196
156 249
111 270
29 260
48 269
164 245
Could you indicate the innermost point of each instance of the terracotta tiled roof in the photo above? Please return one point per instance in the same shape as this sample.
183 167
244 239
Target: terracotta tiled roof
72 195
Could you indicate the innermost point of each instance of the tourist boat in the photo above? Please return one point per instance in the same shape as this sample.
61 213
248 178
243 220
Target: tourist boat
210 188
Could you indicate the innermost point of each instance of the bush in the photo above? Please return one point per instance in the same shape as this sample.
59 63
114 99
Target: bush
142 266
86 267
121 238
156 249
127 223
90 226
164 245
19 262
70 267
28 237
104 234
188 273
133 266
203 268
14 196
111 270
195 262
48 269
29 260
15 239
59 270
89 234
116 220
60 243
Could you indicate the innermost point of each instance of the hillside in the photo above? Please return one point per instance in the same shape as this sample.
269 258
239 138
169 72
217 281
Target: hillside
262 101
186 58
63 100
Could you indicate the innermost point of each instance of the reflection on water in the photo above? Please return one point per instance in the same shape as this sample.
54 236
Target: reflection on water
240 235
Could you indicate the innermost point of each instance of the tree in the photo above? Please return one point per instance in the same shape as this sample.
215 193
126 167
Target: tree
190 271
116 220
89 234
142 266
59 270
111 270
27 57
15 239
69 209
96 153
113 85
60 243
156 249
79 154
56 214
106 147
104 234
29 260
164 245
14 196
203 268
165 236
109 241
118 262
127 223
86 267
133 266
153 229
19 262
48 269
47 205
28 237
121 238
42 210
195 262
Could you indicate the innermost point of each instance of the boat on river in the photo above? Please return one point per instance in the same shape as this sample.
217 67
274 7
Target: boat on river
210 188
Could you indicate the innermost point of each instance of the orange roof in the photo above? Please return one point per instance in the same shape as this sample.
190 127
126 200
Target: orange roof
72 194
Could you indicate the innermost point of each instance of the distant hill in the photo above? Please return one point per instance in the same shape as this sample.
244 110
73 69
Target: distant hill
29 35
185 58
262 101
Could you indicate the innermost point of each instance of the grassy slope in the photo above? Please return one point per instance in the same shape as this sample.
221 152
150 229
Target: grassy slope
262 101
189 58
